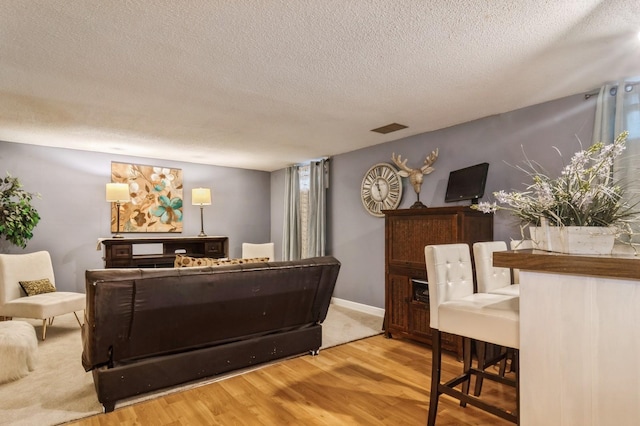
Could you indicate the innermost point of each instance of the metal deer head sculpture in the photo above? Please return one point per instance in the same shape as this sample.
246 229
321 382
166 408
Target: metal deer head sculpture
416 176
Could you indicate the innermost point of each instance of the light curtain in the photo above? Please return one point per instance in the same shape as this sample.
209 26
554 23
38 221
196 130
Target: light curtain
317 222
305 223
618 110
291 227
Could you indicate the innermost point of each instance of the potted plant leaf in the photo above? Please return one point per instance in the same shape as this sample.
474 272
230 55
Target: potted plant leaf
17 216
580 211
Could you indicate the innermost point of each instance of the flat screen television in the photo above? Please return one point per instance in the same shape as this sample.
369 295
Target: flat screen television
467 183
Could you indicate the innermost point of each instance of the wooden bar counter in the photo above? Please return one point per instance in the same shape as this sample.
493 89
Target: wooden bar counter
579 337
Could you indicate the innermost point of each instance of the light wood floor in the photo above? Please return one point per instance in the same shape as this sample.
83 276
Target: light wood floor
374 381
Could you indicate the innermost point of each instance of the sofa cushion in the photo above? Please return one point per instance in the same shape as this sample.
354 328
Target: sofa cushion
183 261
31 288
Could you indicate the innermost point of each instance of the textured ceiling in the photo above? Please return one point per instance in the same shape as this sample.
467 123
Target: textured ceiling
264 84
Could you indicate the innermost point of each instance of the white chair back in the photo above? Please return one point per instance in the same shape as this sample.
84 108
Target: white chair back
489 277
22 267
250 250
449 273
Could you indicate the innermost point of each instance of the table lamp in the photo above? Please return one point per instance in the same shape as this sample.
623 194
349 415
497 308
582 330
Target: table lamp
201 197
117 193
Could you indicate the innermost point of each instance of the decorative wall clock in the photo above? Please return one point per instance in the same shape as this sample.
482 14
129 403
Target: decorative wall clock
381 189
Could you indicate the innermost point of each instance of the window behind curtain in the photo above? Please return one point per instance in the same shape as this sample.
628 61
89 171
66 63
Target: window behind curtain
304 209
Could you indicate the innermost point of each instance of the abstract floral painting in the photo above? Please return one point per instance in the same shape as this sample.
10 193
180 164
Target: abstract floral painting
155 203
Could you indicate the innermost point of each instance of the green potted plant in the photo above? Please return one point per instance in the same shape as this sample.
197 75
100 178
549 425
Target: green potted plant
17 216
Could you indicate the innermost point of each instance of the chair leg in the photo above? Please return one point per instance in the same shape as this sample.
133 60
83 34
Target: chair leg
486 360
481 352
436 364
44 329
77 319
466 366
503 363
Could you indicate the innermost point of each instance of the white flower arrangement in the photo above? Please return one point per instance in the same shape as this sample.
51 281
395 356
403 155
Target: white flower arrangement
585 193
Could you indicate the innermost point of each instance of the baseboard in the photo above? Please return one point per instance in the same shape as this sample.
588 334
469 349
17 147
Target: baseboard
367 309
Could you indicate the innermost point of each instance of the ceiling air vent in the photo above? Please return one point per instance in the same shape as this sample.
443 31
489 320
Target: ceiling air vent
393 127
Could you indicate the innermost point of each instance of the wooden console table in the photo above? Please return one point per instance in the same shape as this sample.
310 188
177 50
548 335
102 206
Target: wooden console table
121 252
579 337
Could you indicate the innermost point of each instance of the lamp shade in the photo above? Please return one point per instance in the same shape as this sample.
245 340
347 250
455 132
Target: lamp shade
201 196
117 192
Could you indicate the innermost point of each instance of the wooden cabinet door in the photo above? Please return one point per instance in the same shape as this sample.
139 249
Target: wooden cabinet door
419 318
397 309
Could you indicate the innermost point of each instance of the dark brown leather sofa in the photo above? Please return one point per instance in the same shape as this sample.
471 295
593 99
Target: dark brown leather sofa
147 329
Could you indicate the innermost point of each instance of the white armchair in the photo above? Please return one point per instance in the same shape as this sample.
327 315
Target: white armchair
45 306
250 250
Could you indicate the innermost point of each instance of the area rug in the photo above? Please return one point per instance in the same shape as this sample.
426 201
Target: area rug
59 390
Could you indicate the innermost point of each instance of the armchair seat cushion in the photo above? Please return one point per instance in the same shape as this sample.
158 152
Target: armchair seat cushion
45 305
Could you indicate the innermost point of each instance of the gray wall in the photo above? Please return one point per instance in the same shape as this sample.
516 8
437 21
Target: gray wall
357 238
75 214
248 205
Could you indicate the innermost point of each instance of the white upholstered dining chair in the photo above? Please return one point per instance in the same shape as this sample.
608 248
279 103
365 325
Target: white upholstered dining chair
454 308
492 279
33 272
250 250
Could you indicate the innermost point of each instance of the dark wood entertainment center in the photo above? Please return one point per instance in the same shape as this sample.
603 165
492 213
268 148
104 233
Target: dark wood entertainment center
120 252
407 232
